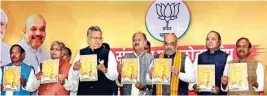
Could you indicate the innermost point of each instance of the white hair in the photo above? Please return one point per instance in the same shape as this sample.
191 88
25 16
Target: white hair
5 16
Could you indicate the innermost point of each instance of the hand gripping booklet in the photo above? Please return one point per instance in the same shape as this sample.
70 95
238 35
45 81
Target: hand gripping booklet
205 77
11 80
162 71
238 75
88 71
50 69
129 71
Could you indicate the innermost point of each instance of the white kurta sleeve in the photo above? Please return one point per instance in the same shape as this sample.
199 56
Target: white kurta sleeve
229 58
73 77
188 76
195 64
225 73
260 77
70 85
191 85
112 72
148 79
32 83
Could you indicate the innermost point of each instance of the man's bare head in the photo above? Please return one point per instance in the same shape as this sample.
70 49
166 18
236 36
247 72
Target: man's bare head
170 44
35 30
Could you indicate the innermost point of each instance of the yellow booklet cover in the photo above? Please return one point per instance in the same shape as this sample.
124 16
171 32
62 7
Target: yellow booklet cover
50 69
162 71
129 71
238 75
88 71
11 78
205 77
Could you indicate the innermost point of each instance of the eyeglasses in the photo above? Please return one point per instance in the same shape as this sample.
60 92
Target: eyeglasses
171 44
42 29
55 49
96 38
242 47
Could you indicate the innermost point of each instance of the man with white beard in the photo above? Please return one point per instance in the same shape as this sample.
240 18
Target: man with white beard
4 47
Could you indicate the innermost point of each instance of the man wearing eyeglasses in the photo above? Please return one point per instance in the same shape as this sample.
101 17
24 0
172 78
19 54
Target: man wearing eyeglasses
107 69
182 71
57 88
34 36
213 56
143 85
254 68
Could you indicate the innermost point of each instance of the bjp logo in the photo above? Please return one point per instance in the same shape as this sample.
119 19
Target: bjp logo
167 13
165 17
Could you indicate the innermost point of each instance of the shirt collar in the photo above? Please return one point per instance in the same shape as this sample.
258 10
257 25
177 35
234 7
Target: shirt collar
216 51
140 55
97 49
19 64
170 56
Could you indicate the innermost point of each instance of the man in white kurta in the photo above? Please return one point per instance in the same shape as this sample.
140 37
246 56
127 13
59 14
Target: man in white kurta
34 36
255 70
106 67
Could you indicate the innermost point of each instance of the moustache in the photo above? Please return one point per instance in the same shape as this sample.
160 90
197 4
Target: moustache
136 44
168 49
241 51
13 57
97 44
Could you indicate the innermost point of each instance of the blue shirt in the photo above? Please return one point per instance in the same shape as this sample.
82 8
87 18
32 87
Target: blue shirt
24 73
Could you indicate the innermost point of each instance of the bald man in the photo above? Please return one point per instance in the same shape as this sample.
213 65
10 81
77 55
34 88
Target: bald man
182 72
34 36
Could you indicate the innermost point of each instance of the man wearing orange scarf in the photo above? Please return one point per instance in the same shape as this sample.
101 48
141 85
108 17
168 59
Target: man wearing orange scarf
181 70
58 88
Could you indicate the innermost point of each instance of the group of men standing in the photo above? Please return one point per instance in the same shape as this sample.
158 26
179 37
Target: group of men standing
28 54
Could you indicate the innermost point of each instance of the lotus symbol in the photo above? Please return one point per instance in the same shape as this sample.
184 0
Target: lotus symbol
167 12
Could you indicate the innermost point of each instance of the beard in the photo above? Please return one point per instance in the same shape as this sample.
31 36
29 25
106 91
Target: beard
35 41
169 51
2 37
